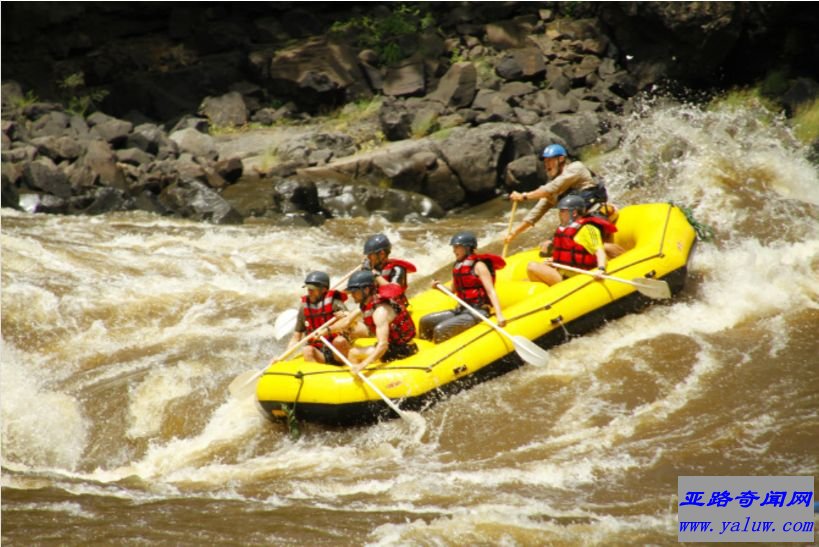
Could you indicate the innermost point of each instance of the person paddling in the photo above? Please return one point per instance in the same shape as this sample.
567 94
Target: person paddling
473 280
565 178
382 316
377 250
318 306
578 242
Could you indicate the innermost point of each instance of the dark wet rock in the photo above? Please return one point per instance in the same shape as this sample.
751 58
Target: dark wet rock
43 174
112 130
191 122
228 110
443 186
230 169
194 142
800 92
101 161
523 174
37 110
19 153
315 72
685 40
458 86
508 34
395 120
58 148
193 199
50 124
521 64
577 131
475 157
43 203
406 80
363 200
298 195
133 156
146 137
105 200
10 196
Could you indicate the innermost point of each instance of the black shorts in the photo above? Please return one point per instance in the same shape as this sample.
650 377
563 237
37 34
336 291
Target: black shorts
395 352
329 356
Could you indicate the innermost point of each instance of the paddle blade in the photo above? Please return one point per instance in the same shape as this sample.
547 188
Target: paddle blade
244 384
530 352
653 288
285 323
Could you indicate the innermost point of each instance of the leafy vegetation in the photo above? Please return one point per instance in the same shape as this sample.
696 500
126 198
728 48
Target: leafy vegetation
77 98
387 34
806 122
29 98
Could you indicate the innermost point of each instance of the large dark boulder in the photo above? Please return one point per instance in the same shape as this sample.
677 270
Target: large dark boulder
458 86
316 72
193 199
228 110
688 41
478 156
42 174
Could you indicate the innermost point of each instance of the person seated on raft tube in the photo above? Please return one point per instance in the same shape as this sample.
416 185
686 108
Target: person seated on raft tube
318 306
565 178
377 250
578 242
473 281
383 316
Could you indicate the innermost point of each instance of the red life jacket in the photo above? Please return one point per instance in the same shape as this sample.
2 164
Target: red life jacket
387 271
468 285
402 329
566 250
316 314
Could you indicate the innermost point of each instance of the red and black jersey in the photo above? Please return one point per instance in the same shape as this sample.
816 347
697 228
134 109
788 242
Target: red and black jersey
402 329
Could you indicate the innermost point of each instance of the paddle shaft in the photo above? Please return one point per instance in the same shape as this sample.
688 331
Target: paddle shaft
474 312
366 380
290 351
509 230
641 287
285 323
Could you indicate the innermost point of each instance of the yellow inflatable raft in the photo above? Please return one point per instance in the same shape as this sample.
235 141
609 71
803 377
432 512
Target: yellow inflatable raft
659 241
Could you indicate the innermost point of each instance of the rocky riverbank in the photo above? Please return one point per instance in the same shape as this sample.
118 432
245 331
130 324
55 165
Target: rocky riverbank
294 111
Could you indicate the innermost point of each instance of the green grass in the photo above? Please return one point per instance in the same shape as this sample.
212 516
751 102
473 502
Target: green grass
806 122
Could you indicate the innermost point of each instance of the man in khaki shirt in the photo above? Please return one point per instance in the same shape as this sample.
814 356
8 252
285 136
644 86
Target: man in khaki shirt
564 176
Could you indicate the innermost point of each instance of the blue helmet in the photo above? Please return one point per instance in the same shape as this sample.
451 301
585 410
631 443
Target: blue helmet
467 239
553 151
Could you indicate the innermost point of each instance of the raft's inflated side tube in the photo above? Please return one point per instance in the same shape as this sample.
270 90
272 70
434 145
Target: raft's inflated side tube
658 240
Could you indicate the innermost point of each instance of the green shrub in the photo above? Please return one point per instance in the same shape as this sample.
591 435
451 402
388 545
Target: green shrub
76 97
386 34
806 122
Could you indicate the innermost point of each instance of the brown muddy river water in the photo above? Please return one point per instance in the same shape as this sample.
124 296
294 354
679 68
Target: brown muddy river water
122 332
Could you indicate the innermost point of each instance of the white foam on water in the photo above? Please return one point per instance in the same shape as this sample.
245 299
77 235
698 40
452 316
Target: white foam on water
41 426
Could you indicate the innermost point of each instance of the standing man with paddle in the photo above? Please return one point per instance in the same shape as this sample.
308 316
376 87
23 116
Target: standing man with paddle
473 278
319 306
565 178
578 242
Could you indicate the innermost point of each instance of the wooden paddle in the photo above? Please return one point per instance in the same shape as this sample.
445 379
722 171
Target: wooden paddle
526 349
509 230
238 387
653 288
366 380
286 321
